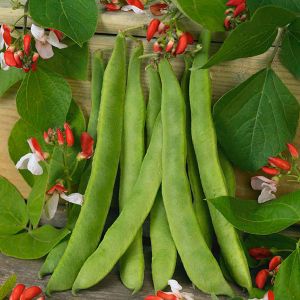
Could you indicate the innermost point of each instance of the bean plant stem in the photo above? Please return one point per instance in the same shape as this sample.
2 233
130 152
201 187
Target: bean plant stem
25 15
281 34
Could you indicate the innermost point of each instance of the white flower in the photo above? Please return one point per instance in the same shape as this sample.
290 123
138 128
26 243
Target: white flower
266 186
1 37
30 161
176 288
56 192
134 8
44 42
3 64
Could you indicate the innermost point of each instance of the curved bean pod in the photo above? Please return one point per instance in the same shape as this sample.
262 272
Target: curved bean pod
53 259
212 178
228 174
90 223
200 206
123 231
132 263
164 252
198 261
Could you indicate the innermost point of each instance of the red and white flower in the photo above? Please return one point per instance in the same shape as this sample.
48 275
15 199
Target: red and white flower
267 187
135 5
55 193
30 161
5 36
176 290
3 64
44 42
87 144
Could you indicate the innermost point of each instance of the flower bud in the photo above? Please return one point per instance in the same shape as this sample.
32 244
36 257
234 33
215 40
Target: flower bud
270 171
156 47
275 262
26 42
18 60
293 151
182 43
260 253
279 163
152 28
227 22
235 2
112 7
239 9
31 293
261 278
35 57
69 135
170 45
46 137
60 137
87 143
166 296
17 292
269 296
9 57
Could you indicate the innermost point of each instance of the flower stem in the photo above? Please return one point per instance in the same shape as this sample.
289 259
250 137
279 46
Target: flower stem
25 15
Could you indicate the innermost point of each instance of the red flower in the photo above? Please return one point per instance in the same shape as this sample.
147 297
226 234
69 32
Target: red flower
157 8
60 137
87 144
9 57
57 188
270 171
261 278
69 135
270 295
152 297
274 262
293 151
239 9
6 34
170 45
112 7
156 47
17 292
166 296
152 29
227 22
17 56
58 33
260 253
136 3
279 163
31 293
235 2
26 42
182 43
35 147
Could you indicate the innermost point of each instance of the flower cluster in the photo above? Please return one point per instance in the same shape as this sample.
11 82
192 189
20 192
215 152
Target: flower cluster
236 14
17 50
20 292
175 293
285 165
136 6
171 40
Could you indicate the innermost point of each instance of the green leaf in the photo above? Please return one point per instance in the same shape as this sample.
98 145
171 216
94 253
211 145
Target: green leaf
32 244
256 119
290 49
253 37
76 19
7 287
267 218
13 213
292 5
9 78
287 280
71 62
210 14
43 99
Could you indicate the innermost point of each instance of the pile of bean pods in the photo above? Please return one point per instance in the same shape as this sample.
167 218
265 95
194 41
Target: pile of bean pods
169 163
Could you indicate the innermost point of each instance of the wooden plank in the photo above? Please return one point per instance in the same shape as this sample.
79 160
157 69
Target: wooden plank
225 76
110 288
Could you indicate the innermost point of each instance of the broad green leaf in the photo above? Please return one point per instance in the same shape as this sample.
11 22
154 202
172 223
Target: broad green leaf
53 259
287 280
290 49
210 14
253 37
43 99
71 62
77 19
262 219
256 119
32 244
292 5
9 78
6 288
13 213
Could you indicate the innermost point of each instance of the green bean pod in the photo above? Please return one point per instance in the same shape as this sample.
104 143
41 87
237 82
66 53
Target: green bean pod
97 198
98 68
132 263
164 252
123 231
199 263
53 259
228 174
212 177
200 206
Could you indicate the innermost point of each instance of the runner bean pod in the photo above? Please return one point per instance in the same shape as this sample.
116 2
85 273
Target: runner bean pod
199 263
212 177
97 198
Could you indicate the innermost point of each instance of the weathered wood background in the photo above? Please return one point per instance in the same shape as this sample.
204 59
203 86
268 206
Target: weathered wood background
225 76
